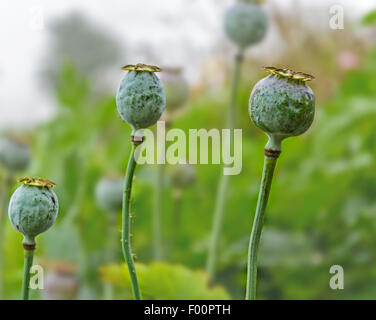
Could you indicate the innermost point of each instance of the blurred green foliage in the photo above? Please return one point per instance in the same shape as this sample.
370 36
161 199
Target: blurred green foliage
322 208
162 281
370 18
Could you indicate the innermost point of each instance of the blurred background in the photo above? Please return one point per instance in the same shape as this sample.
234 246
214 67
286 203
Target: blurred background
60 66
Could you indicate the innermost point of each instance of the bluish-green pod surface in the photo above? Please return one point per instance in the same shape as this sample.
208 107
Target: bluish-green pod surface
109 193
32 210
281 107
140 99
14 155
246 24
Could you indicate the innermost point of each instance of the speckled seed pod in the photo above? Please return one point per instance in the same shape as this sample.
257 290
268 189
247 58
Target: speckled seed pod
176 88
15 155
33 208
140 98
282 105
109 193
183 176
245 24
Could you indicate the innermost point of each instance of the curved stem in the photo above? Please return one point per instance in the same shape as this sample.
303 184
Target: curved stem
157 220
29 255
126 226
4 209
266 182
223 183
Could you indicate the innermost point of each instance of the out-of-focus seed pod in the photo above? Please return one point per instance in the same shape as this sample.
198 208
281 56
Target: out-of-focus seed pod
109 193
183 176
176 88
15 154
245 24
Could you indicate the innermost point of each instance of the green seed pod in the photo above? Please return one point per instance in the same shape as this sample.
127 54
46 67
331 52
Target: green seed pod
245 24
183 176
176 88
282 105
140 98
15 155
33 208
109 193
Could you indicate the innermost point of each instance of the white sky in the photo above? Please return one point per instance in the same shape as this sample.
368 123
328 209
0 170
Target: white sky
23 38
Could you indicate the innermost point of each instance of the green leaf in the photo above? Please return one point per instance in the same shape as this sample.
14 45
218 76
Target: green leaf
62 243
71 91
369 18
165 281
72 169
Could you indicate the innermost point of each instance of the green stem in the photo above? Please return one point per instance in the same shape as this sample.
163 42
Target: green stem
4 206
266 182
217 227
157 219
223 183
176 217
234 89
126 225
2 234
113 239
29 255
112 247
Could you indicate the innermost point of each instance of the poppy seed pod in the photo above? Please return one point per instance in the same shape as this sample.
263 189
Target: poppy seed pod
282 105
176 88
245 24
109 193
15 155
33 208
140 98
183 176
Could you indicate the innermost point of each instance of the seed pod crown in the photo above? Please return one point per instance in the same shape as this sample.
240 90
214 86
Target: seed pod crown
15 154
176 88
